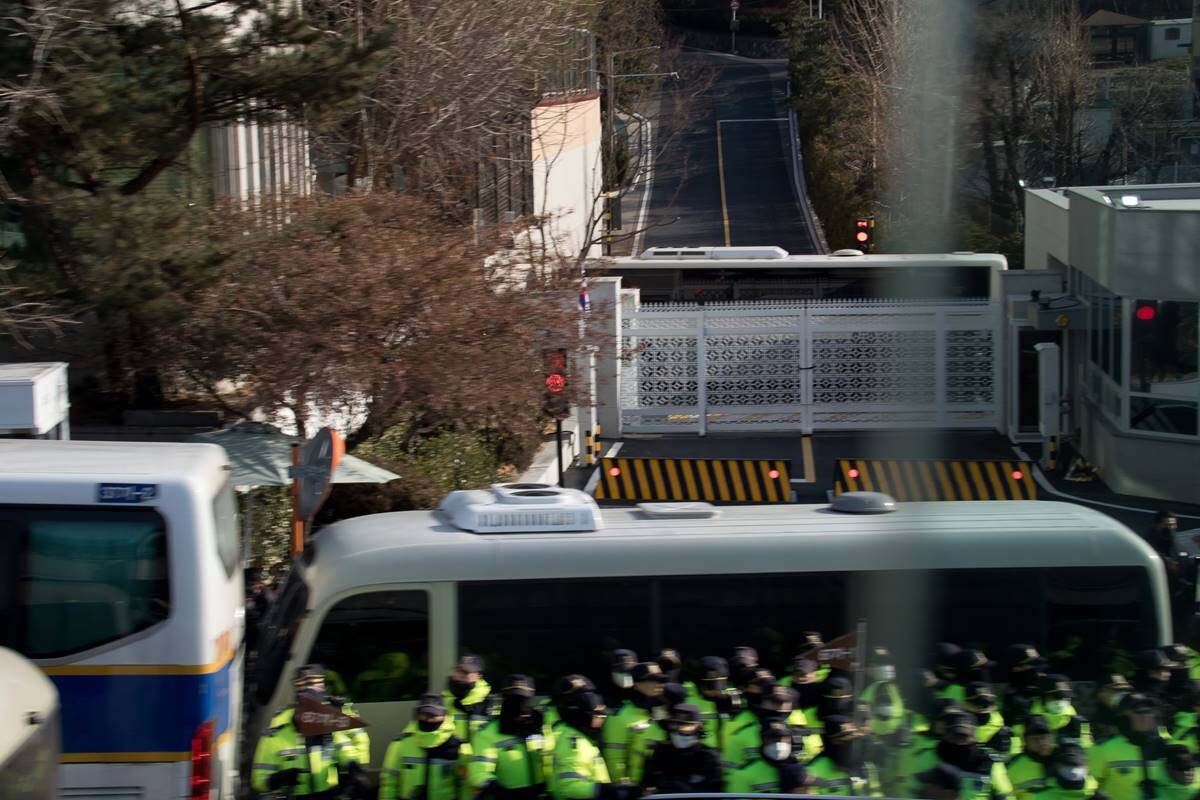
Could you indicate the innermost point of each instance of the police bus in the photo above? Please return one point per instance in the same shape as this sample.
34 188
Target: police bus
29 732
538 580
122 580
715 274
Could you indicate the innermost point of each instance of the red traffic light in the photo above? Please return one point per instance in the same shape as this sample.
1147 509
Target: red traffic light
862 223
1146 313
555 383
862 236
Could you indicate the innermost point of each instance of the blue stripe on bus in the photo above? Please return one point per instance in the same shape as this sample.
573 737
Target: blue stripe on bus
141 713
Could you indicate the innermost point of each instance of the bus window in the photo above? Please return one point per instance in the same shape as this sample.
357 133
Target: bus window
375 646
549 628
227 535
711 614
84 577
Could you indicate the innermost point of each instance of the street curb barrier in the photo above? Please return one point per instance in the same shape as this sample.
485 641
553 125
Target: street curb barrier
937 480
715 480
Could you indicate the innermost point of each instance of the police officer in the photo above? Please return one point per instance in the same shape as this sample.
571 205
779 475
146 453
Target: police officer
1069 778
683 763
645 737
837 698
1124 764
1056 706
1152 674
645 700
775 769
990 729
308 766
620 663
1176 777
918 750
427 760
468 697
943 782
969 666
671 664
579 769
983 777
743 667
1029 770
1187 724
717 700
882 695
805 676
839 770
510 756
945 666
767 701
1021 666
1104 721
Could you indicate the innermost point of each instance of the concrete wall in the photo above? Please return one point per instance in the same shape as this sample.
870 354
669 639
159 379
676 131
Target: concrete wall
1135 252
1140 465
567 177
1161 47
1046 226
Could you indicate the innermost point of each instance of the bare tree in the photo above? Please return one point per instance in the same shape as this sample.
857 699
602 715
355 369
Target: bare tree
1064 85
23 315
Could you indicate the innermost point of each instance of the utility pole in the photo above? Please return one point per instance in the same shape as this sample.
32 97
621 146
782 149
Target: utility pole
611 79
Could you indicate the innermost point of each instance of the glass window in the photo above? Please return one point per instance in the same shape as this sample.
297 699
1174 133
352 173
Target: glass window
1163 348
546 629
1171 34
375 646
80 578
226 528
1162 414
712 614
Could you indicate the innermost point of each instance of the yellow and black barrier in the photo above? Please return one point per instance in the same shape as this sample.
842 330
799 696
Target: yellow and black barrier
937 480
716 480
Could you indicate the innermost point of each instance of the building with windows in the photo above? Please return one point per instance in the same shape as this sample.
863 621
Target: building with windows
1125 263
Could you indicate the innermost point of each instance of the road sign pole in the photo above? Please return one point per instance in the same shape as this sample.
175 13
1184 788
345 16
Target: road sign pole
558 440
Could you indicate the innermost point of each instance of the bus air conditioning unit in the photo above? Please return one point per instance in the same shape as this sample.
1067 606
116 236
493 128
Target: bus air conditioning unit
33 401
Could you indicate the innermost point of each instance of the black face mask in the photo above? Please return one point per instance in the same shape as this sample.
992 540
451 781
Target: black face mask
711 689
519 715
743 675
810 694
645 701
459 689
766 716
429 725
981 717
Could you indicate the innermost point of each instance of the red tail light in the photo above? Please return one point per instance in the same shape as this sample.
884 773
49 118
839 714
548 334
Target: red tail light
202 761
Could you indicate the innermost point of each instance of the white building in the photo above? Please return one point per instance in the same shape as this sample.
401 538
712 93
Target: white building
248 159
1170 38
1122 269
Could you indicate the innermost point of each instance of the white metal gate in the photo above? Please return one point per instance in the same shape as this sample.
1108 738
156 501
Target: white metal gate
809 365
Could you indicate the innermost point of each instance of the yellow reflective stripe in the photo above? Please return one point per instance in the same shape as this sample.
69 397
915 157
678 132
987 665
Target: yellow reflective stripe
1014 488
994 478
944 482
1027 481
881 478
645 489
929 490
689 479
960 480
722 483
658 490
977 480
752 481
673 479
626 479
735 475
865 476
851 483
897 469
764 470
705 480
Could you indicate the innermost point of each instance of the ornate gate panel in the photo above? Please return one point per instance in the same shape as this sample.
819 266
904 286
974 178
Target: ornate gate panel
809 365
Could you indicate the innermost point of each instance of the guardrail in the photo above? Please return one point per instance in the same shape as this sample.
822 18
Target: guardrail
800 185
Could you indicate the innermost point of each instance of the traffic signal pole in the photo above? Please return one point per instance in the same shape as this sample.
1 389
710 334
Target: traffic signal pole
558 441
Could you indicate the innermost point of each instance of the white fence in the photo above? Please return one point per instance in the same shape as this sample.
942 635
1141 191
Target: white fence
809 365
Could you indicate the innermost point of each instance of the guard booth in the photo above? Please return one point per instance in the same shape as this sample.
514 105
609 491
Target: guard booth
34 402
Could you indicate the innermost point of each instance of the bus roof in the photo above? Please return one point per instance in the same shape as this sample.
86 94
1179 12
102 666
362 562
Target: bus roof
420 546
72 461
874 260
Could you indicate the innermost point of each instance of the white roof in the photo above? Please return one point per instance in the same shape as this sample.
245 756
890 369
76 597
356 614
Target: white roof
874 260
418 546
108 461
28 373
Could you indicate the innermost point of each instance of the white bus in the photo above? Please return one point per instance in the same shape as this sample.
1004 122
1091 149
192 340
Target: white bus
29 731
122 580
540 581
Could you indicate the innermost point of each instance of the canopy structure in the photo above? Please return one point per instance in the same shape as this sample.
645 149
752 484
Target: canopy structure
260 456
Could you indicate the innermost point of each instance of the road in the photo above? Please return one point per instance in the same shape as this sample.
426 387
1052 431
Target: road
721 172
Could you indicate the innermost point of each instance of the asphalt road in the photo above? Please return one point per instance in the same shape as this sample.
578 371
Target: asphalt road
721 173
